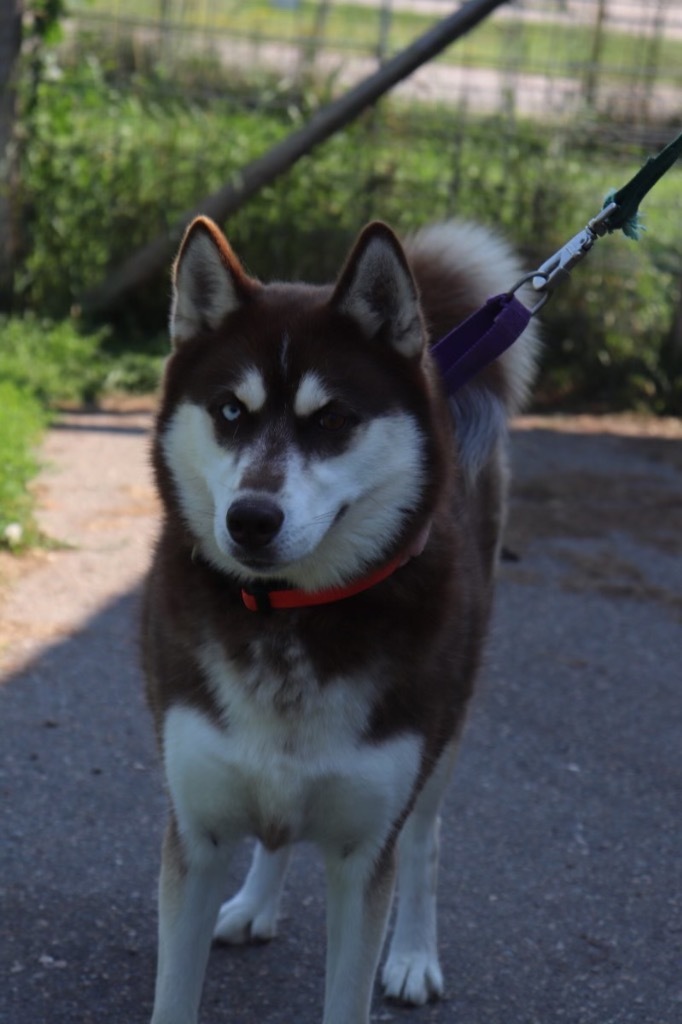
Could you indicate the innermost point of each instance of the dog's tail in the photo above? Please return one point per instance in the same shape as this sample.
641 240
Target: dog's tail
457 266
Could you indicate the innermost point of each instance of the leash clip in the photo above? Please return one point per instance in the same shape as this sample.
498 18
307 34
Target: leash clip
540 273
557 268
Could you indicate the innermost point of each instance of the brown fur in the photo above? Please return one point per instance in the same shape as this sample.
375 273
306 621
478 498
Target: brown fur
423 628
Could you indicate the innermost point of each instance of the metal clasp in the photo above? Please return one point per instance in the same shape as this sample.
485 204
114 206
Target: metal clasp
530 277
557 268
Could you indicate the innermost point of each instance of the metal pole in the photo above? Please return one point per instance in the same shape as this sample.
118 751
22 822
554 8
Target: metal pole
152 258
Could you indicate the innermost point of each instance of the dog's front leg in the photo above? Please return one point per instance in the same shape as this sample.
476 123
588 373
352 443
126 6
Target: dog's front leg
190 890
359 893
412 972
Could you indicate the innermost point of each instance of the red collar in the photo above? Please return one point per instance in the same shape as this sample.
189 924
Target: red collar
260 598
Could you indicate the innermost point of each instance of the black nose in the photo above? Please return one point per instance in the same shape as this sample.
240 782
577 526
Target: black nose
254 522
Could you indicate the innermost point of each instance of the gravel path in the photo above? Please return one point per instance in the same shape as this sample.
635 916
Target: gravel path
560 886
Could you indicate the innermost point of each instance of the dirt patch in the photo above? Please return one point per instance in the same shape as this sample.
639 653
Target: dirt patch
626 424
13 567
95 498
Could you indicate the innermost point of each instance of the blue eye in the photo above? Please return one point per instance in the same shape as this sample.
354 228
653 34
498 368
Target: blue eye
231 411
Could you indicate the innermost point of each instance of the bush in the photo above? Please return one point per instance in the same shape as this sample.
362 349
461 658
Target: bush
56 363
51 362
607 335
106 170
21 422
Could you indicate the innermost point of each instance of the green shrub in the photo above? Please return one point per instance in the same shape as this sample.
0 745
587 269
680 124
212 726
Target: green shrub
22 420
106 170
51 362
607 335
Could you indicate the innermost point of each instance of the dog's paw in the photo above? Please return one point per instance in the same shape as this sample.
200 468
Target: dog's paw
241 920
413 978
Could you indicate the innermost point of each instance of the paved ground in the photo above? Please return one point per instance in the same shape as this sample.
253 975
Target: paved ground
561 878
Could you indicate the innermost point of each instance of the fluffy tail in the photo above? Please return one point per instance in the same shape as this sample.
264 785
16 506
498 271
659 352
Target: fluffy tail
457 266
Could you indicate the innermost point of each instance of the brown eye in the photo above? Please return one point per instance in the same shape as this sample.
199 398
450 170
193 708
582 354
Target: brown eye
331 420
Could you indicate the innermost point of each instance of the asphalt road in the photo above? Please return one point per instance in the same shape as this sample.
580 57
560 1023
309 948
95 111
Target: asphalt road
560 886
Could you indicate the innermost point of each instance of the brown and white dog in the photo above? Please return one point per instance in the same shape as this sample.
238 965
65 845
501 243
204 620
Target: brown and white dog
320 592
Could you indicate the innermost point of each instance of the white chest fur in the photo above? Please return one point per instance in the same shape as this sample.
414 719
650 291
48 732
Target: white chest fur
298 770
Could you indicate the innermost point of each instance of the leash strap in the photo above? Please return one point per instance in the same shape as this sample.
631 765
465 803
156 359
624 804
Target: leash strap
480 339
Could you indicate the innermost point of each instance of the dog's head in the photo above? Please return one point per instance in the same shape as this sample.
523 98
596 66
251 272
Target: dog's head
295 428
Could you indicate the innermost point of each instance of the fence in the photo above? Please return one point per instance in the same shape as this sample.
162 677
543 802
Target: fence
549 59
525 122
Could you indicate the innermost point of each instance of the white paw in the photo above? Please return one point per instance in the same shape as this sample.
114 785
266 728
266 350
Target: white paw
242 920
412 977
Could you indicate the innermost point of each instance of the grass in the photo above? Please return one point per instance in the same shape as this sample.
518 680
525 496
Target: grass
43 364
22 420
39 364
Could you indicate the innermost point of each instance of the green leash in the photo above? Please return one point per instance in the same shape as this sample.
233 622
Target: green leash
619 213
627 199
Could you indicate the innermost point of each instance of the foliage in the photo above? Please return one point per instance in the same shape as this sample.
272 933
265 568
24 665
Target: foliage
50 362
21 423
109 167
116 145
607 336
43 364
55 363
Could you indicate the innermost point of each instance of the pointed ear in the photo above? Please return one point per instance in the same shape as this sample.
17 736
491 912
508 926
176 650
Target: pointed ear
208 282
377 289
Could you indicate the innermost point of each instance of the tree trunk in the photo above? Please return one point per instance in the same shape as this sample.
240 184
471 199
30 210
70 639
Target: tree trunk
10 46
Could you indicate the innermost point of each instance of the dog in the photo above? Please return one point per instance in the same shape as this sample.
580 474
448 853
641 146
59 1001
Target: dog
319 594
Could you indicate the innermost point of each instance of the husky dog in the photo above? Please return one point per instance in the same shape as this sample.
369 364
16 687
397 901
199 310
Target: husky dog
319 594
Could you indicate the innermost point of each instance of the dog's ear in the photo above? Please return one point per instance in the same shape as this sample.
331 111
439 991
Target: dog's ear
377 290
208 282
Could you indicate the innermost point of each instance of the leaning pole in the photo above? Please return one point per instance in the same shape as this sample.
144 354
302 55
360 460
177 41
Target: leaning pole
151 259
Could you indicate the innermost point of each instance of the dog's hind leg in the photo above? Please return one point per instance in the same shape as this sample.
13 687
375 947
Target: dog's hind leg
191 886
359 894
412 972
252 914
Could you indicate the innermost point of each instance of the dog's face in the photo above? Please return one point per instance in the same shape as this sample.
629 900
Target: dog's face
295 428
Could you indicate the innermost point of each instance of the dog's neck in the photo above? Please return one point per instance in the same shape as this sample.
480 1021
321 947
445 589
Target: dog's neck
274 595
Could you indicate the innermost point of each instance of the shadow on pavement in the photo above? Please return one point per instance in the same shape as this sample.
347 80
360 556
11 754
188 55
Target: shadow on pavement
560 895
128 422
